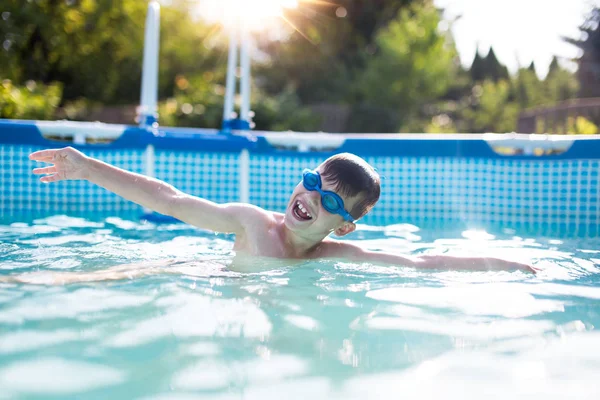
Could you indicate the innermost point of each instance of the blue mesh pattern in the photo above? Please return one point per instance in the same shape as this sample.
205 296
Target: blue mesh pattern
274 177
213 176
556 196
550 194
547 193
22 191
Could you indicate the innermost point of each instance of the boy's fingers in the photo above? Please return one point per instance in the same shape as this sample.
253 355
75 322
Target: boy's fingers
42 154
45 170
45 159
50 178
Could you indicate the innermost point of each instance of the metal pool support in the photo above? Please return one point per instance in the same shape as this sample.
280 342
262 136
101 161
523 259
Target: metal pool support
231 82
149 92
238 38
245 81
239 41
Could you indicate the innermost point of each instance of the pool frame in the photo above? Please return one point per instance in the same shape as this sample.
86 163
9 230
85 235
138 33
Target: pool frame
460 179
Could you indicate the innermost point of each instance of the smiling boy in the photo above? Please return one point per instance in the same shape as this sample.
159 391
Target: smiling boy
328 200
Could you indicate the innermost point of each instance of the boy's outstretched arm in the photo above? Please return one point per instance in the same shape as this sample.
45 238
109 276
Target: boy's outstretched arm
70 164
472 263
356 253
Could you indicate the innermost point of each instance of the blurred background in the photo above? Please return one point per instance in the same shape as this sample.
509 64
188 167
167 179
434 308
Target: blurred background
433 66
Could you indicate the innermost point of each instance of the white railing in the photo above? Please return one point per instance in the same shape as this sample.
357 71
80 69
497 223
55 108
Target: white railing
149 91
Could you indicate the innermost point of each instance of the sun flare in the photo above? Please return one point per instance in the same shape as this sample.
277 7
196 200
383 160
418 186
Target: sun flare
253 14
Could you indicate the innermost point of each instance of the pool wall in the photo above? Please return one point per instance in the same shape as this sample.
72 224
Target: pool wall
426 178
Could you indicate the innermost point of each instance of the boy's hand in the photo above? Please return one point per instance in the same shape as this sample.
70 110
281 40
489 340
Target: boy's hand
506 265
477 263
67 164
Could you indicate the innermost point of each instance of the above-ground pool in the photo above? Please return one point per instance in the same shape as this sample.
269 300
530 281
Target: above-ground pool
464 180
98 303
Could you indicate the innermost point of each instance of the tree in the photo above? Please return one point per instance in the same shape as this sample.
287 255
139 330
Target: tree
488 67
494 70
477 70
559 84
494 112
527 89
94 47
554 66
414 65
588 72
328 49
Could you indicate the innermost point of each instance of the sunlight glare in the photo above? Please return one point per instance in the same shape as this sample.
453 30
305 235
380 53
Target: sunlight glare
255 15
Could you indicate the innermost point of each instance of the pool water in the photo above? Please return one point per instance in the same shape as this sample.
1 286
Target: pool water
76 323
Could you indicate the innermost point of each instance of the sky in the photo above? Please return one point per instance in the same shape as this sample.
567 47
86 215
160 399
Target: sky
520 31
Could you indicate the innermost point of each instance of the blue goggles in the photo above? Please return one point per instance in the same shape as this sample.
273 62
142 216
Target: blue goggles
331 201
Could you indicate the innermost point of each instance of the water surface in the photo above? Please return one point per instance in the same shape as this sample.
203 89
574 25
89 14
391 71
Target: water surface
74 322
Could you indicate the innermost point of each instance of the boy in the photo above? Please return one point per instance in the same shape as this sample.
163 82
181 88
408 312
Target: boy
328 200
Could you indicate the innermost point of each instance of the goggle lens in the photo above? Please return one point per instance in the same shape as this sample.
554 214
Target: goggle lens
311 180
330 203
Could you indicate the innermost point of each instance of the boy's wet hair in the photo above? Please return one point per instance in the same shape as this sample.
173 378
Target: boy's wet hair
351 176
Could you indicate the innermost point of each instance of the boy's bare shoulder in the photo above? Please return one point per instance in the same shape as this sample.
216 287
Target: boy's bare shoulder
249 213
338 248
255 221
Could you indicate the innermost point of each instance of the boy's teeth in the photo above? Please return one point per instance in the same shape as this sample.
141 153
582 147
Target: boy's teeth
301 207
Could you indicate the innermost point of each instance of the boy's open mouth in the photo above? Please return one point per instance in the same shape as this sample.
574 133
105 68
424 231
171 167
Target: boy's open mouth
301 212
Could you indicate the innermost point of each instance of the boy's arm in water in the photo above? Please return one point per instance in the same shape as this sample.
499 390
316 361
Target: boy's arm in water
339 249
70 164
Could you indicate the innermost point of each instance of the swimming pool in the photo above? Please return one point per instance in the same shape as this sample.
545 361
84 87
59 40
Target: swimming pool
326 330
89 306
468 181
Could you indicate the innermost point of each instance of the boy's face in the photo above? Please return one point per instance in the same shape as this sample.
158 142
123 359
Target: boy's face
305 212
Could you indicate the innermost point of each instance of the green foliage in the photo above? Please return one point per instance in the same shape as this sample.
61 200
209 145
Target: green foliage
441 123
477 70
493 69
367 117
33 101
386 60
199 103
413 64
494 106
282 112
92 46
532 67
581 126
95 47
493 112
528 89
77 110
488 68
189 48
324 53
560 84
572 126
313 71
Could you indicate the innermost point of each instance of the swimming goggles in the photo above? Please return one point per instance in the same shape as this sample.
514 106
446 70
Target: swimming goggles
331 201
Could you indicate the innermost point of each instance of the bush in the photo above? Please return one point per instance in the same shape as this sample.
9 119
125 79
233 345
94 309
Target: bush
581 126
198 103
32 101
